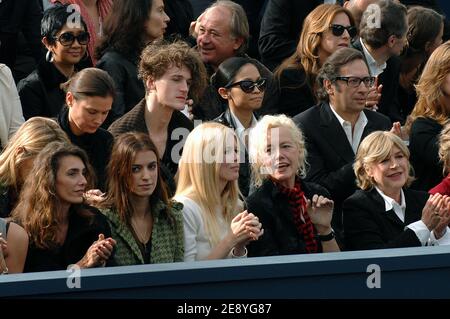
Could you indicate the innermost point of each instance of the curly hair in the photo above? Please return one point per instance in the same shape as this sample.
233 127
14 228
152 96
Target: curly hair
38 207
159 56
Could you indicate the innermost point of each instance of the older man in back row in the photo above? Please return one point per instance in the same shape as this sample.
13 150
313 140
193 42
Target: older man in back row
222 32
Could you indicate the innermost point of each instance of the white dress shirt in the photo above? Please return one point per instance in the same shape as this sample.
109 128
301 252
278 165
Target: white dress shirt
353 136
375 69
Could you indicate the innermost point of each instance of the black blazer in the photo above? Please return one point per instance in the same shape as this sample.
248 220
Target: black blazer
280 237
389 103
424 147
40 92
330 155
367 225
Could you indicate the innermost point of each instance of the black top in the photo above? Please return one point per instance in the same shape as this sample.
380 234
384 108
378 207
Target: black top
281 236
97 146
367 224
40 92
424 147
81 234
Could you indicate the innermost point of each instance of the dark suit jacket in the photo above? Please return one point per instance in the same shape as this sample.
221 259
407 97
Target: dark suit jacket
281 26
330 155
367 225
280 237
389 104
424 147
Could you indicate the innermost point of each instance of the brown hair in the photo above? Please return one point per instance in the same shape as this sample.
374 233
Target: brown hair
159 56
37 210
124 151
90 82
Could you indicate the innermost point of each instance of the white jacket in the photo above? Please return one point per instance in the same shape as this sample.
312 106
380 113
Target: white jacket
11 116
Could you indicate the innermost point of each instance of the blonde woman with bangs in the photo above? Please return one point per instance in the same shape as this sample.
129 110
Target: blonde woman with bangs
17 158
296 215
428 117
326 29
208 189
385 213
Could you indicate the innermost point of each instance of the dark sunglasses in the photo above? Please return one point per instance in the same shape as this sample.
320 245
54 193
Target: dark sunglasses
338 30
248 86
68 38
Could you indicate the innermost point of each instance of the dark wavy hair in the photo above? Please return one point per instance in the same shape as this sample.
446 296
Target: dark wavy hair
123 30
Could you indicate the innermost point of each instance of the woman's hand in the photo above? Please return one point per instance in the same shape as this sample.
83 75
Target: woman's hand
93 197
431 211
245 228
444 213
320 210
98 253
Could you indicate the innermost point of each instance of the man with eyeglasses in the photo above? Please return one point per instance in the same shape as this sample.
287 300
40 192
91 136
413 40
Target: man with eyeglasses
334 128
382 34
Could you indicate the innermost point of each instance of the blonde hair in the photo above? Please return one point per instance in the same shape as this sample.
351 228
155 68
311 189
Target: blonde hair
199 175
26 143
430 102
258 144
444 148
374 149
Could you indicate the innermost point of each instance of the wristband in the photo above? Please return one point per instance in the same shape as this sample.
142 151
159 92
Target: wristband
328 237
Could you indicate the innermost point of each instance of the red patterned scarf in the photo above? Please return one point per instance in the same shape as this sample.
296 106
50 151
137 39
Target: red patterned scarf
297 203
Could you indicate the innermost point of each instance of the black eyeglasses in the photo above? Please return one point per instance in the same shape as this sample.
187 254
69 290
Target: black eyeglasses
354 81
68 38
338 30
248 86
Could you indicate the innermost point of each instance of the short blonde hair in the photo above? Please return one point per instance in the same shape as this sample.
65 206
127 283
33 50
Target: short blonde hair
375 148
258 144
444 147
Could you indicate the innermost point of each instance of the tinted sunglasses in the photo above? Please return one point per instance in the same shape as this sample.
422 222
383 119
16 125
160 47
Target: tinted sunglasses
68 38
248 86
338 30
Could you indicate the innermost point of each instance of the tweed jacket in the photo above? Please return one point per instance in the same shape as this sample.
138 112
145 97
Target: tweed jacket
166 241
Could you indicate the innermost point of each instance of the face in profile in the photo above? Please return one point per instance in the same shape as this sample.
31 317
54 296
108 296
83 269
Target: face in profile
144 174
229 166
173 87
70 45
156 25
281 156
390 174
86 115
71 180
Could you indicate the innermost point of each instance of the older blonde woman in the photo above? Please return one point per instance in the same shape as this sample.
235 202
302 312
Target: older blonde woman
17 158
384 213
296 215
208 189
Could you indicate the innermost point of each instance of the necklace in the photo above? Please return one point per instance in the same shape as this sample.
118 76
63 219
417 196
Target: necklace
142 229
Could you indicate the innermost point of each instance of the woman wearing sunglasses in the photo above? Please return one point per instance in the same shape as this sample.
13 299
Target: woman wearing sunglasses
239 82
65 37
326 29
134 24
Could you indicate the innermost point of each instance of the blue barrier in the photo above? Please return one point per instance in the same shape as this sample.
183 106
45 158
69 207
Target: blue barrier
421 272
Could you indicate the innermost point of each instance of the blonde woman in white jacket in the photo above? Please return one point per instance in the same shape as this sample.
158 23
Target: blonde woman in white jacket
11 117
